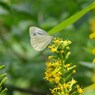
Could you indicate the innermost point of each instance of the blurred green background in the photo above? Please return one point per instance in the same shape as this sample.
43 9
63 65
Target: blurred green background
24 66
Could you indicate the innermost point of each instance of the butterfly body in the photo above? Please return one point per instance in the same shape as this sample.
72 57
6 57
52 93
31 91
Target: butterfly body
39 38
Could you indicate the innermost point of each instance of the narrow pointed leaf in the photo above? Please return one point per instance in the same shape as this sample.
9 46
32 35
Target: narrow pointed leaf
71 19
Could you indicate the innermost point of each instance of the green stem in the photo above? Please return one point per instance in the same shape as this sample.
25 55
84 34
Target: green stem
71 19
74 93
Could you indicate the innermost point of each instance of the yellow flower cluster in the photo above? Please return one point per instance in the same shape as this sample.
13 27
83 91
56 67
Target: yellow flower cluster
59 45
79 89
59 72
93 25
92 35
94 60
53 73
93 51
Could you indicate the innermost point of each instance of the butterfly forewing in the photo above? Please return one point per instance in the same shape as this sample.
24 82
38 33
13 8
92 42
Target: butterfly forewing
36 31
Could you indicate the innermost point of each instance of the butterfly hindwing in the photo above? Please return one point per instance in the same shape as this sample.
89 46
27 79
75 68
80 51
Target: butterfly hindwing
40 44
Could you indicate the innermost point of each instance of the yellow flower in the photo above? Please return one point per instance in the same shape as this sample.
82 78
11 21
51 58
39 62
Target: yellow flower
93 78
49 47
80 90
57 90
93 51
66 85
77 86
68 68
50 57
59 73
92 35
74 71
56 41
67 65
66 94
53 91
67 47
73 81
62 51
93 25
48 64
53 49
57 79
93 61
70 89
93 22
66 42
56 64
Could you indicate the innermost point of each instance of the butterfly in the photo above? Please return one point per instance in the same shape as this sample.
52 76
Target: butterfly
39 38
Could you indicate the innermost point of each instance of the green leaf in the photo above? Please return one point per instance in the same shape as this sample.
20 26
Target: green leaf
5 5
4 90
2 75
3 78
71 19
2 66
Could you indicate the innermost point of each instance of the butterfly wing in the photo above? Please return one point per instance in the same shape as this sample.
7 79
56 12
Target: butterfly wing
36 31
40 44
39 38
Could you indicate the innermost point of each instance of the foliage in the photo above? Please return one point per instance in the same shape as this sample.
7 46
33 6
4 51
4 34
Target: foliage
3 78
